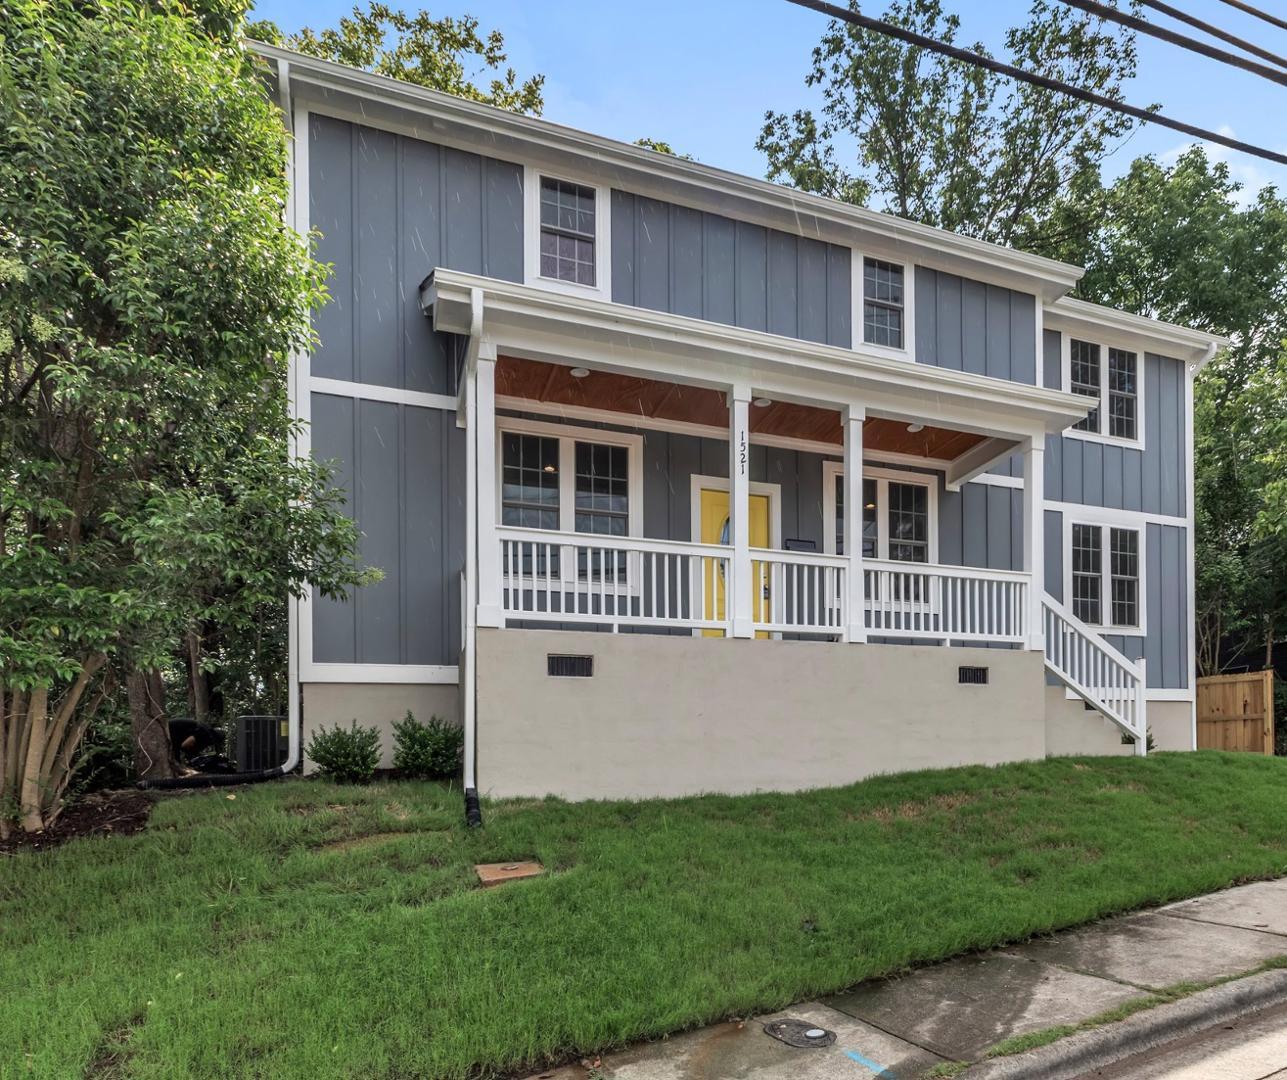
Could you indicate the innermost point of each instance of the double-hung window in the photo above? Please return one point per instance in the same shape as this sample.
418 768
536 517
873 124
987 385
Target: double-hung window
1105 563
884 303
1111 376
566 241
574 481
897 515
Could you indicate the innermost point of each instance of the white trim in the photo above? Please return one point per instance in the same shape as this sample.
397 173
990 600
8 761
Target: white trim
857 284
410 674
1171 695
998 480
833 469
370 392
1190 538
1091 517
540 324
1138 332
568 435
1065 374
602 287
1041 343
1110 515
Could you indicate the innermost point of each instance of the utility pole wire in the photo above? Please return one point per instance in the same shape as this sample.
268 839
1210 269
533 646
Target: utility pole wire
1033 79
1143 26
1252 10
1215 31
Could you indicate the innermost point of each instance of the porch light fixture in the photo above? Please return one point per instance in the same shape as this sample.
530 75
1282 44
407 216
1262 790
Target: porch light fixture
914 428
762 402
579 372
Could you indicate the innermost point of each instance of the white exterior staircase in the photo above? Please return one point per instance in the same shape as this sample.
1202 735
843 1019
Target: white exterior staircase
1084 661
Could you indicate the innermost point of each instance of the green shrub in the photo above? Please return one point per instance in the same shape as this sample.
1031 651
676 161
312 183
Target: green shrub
431 751
348 756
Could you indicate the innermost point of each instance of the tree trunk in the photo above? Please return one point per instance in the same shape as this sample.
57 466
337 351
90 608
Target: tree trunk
198 688
153 757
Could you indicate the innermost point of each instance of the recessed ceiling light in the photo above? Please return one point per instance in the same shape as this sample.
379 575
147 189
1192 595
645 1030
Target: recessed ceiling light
579 372
762 402
914 428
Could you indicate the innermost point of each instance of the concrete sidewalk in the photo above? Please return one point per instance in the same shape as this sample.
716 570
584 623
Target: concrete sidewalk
955 1012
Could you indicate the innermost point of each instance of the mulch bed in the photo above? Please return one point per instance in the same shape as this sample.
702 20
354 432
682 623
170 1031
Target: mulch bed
102 813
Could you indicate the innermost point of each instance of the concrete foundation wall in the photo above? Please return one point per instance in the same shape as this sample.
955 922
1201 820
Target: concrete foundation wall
1072 729
670 716
376 705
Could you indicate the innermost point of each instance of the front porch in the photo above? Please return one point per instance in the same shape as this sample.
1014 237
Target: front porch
584 456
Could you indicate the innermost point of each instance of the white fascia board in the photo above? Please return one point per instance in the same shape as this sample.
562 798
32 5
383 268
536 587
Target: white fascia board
534 323
438 117
1132 331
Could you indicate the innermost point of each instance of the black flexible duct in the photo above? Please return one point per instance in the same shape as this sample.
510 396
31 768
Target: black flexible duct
211 780
473 813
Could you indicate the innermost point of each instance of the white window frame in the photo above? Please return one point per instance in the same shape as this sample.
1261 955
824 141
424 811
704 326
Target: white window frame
568 437
1105 523
832 470
856 277
1104 344
602 287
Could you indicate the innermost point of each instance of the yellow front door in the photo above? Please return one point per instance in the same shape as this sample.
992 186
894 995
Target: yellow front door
715 530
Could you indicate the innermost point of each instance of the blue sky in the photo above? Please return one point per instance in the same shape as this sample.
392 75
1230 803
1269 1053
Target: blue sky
700 75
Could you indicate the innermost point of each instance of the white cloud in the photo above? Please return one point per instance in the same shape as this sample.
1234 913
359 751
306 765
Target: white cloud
1251 172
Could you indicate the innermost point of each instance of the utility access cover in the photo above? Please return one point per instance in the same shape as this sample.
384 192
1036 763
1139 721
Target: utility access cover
799 1033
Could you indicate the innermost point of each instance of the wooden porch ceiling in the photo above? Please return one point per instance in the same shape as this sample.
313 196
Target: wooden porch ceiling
553 384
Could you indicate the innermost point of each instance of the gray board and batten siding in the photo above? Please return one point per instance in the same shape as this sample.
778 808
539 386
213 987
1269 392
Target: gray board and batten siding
389 208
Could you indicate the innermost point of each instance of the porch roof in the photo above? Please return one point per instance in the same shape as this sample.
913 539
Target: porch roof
538 324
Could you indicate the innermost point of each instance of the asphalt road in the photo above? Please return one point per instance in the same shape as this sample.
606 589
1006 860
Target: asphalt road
1252 1048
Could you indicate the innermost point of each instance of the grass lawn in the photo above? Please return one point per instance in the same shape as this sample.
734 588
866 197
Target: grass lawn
239 937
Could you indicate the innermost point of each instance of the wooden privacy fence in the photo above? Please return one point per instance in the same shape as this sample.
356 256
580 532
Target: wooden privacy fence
1236 712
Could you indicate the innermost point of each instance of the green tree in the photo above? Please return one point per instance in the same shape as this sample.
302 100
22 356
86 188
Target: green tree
150 294
946 143
436 53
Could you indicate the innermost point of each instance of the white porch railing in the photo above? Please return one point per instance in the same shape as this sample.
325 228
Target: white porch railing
1095 671
612 581
799 592
945 603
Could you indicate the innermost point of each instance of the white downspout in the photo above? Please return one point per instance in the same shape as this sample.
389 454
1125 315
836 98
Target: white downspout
296 216
469 587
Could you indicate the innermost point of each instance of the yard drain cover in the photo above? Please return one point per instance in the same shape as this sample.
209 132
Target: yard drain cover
798 1033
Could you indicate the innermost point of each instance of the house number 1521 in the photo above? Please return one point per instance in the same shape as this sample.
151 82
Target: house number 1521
741 453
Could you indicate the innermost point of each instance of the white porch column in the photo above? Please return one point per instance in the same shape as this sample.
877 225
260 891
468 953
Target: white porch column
1034 536
738 598
489 562
855 589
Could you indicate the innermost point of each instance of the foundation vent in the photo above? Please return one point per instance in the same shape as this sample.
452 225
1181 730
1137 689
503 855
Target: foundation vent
972 676
562 666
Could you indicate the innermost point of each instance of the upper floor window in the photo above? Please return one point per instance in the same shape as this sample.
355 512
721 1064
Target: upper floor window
883 303
567 231
1110 376
566 244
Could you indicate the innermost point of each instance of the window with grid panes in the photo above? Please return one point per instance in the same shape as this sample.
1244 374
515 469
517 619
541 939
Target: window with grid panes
1124 576
870 527
602 504
882 303
1083 378
1087 573
1122 394
530 494
909 522
567 231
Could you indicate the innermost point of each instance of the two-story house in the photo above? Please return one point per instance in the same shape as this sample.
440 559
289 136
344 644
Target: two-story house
683 481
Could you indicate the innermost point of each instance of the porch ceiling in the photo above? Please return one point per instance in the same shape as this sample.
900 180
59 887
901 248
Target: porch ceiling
637 397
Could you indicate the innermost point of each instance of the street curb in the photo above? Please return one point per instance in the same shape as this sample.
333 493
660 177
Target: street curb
1076 1055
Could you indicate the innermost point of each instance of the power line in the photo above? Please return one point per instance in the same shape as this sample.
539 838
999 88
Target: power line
1215 31
1022 75
1251 10
1143 26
